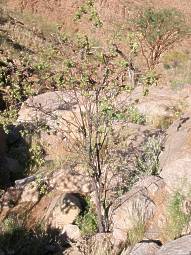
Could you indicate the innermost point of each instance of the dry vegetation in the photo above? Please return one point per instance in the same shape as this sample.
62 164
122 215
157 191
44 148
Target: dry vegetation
36 57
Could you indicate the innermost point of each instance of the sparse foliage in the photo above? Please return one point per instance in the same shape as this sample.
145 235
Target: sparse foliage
135 116
93 82
158 31
148 163
88 8
177 218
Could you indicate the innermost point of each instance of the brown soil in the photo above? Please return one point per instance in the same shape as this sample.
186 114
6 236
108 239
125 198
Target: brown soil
110 10
112 13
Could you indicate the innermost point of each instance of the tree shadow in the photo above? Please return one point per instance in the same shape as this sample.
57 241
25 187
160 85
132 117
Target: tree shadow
15 163
22 241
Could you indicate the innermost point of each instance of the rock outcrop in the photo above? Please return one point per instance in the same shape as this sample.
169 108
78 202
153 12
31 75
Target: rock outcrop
162 105
56 112
181 246
143 206
146 247
175 161
63 210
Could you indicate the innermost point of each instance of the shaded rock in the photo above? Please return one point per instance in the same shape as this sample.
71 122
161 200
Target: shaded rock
9 170
143 248
144 205
25 181
10 197
181 246
63 210
175 161
13 166
2 252
4 174
71 232
2 142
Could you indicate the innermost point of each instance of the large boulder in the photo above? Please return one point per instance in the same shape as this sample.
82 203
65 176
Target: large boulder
40 107
57 112
74 180
30 193
146 247
162 105
175 160
63 210
181 246
143 207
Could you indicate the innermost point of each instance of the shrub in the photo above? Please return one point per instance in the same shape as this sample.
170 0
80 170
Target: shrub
158 31
42 185
177 219
36 156
149 79
136 234
135 116
175 59
148 163
88 8
87 222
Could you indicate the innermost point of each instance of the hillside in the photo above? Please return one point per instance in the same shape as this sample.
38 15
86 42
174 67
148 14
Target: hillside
95 127
110 11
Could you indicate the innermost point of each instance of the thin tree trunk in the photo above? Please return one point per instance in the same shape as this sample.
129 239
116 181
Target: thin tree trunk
98 207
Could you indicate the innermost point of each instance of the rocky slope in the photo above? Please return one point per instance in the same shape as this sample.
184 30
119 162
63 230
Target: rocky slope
47 197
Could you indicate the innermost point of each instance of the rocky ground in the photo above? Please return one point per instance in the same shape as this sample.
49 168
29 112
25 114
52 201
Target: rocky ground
47 198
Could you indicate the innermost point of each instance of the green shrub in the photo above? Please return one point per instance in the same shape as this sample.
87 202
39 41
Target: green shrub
41 185
148 162
135 116
175 59
7 118
136 234
177 219
149 79
87 222
153 27
88 8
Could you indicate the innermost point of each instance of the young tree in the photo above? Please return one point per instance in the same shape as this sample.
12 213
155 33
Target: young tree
92 80
95 82
158 31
